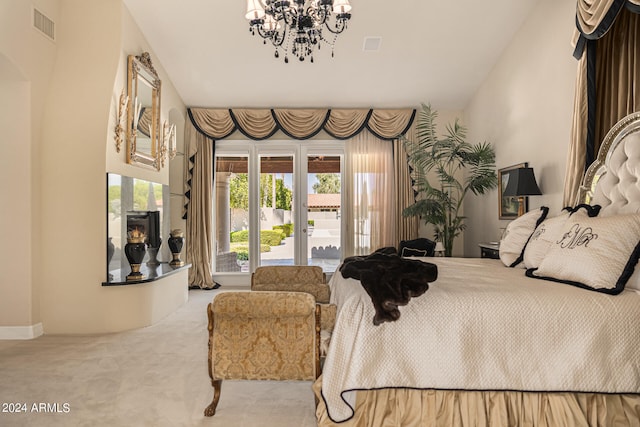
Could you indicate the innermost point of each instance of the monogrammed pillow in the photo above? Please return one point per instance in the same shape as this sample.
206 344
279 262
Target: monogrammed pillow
517 235
547 231
596 253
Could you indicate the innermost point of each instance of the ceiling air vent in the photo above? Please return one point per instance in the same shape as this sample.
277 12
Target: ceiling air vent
372 44
45 25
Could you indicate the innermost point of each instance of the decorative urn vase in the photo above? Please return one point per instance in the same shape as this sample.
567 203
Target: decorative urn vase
135 250
176 241
153 253
111 248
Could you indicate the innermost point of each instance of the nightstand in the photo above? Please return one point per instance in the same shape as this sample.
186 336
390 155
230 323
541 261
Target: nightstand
490 250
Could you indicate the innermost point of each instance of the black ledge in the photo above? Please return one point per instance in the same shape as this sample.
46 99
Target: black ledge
150 273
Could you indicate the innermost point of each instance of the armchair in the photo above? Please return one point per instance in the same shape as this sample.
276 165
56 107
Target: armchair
300 278
293 278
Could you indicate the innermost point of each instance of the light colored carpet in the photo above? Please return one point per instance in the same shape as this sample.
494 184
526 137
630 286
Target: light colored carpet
155 376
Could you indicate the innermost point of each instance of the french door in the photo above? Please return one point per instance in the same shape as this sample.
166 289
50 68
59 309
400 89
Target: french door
278 203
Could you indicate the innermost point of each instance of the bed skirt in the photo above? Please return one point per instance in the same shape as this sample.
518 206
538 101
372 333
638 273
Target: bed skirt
420 408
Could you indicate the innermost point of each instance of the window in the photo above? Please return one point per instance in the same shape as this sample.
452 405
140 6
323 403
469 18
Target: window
285 210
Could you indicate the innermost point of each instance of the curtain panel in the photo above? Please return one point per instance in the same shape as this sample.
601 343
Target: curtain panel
406 227
199 245
370 194
608 79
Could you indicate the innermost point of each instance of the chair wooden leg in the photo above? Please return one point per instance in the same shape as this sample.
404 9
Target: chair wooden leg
210 410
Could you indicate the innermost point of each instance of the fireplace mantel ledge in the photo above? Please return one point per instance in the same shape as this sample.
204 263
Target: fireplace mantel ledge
151 274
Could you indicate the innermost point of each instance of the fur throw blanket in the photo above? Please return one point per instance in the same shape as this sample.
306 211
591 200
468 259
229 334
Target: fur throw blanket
390 280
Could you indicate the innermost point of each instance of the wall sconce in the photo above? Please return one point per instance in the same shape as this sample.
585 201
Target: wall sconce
168 145
121 120
522 182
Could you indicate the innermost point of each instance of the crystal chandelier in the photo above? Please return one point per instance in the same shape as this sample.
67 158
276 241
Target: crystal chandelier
298 23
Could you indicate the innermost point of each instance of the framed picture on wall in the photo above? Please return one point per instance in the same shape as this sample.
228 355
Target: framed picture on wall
508 206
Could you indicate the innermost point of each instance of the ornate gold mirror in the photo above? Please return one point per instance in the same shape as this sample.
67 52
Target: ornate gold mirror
143 118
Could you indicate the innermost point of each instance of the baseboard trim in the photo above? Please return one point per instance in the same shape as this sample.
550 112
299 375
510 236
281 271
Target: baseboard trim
21 332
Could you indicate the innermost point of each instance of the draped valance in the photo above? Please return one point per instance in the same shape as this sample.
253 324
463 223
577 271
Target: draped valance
259 124
594 18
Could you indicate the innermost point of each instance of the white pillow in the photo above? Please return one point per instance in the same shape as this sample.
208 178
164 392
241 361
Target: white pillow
634 280
547 231
598 253
517 235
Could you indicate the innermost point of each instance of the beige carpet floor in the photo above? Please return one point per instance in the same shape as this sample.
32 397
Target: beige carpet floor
155 376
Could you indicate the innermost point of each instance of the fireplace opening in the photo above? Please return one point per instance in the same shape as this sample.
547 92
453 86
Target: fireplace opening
147 222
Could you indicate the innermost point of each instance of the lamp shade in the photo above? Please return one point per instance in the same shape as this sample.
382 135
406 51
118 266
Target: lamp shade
522 182
254 10
341 6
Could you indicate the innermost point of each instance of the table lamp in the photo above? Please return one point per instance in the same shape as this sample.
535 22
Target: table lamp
439 249
522 182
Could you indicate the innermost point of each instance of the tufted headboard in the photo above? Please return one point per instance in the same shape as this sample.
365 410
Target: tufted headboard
613 180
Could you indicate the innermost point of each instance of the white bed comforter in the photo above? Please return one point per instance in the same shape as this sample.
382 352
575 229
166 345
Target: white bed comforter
483 326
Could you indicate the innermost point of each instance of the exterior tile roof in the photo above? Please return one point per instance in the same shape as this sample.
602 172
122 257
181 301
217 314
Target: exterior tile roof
323 200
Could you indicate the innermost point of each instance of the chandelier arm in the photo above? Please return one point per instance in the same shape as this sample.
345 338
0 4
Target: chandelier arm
289 18
340 27
320 16
276 38
262 33
279 38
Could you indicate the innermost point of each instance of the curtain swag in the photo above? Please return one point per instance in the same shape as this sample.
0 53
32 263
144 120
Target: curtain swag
260 124
594 18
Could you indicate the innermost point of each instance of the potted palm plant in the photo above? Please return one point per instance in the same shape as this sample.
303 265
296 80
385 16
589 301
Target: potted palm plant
445 171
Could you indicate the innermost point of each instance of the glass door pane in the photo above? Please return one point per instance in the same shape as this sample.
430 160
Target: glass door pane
232 214
277 210
324 211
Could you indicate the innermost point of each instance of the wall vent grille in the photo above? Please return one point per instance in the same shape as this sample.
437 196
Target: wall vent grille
45 25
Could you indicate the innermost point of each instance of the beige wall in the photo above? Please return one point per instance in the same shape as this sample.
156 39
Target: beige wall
16 278
26 63
524 109
58 106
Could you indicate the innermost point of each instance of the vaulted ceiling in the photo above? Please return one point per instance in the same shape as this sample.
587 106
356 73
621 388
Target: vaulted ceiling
436 51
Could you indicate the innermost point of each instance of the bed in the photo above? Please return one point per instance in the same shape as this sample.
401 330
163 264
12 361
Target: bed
489 344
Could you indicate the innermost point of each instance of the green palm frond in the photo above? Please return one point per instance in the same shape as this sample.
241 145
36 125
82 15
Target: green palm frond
437 162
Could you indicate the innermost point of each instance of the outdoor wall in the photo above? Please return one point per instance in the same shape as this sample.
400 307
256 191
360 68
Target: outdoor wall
524 109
